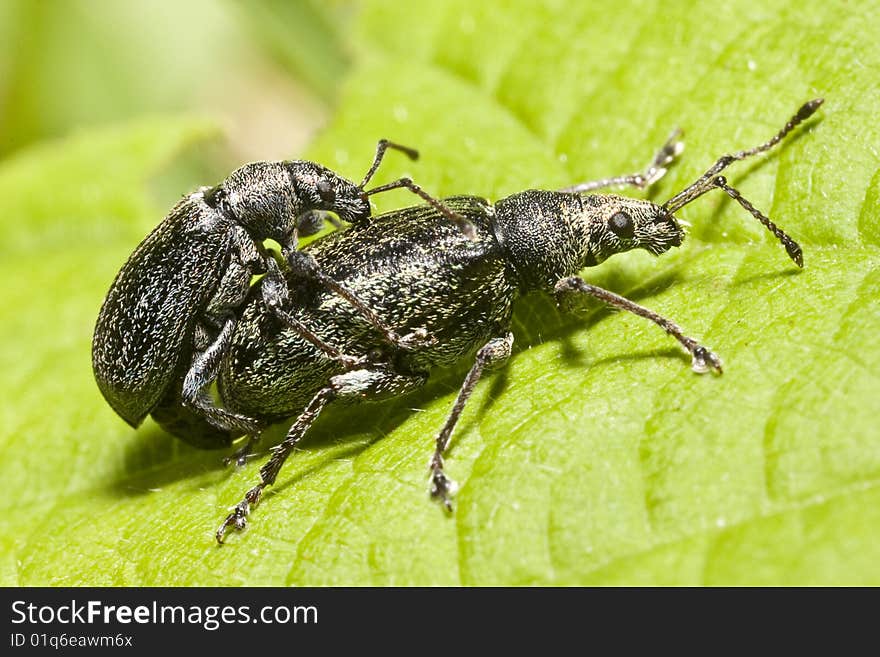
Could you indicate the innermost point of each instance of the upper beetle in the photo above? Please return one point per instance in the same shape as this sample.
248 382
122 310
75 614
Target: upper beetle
170 313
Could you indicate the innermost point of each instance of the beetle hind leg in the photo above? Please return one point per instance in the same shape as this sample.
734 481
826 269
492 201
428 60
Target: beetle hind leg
363 384
492 354
201 374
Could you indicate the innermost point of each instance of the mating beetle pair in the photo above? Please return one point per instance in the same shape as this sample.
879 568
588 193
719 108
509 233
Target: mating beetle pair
169 315
444 276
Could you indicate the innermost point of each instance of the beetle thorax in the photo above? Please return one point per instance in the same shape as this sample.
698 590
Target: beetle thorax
263 201
541 235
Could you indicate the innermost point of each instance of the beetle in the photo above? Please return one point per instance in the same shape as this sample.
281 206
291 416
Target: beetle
424 276
171 310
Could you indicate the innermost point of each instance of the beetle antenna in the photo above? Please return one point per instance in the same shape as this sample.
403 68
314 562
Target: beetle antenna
791 247
711 180
463 224
381 147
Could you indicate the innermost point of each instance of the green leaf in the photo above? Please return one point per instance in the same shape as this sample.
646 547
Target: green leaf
304 36
83 62
596 456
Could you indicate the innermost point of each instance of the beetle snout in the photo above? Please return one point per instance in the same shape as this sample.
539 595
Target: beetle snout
677 236
672 229
359 209
665 233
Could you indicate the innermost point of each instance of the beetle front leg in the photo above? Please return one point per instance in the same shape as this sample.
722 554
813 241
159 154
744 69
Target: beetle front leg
366 384
276 297
493 354
313 221
702 358
655 171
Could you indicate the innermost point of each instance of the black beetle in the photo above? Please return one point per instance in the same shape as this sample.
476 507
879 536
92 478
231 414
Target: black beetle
171 311
298 346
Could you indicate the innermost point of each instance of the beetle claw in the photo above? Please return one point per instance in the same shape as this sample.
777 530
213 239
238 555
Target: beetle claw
238 517
442 487
704 360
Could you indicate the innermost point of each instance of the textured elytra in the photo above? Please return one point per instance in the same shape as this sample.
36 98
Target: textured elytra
414 268
145 328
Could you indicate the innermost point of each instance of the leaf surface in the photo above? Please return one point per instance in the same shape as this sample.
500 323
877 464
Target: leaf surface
596 456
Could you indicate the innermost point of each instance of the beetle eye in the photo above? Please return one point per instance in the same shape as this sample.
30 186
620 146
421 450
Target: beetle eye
326 192
621 224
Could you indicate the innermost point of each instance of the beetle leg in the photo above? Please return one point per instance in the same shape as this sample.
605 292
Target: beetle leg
188 411
374 384
230 294
655 171
306 266
312 222
189 424
348 361
275 296
201 374
203 371
702 358
492 354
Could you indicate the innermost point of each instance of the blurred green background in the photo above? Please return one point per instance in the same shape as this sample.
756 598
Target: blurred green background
267 70
596 456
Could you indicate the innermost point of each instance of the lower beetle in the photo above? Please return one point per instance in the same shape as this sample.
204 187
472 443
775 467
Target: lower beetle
419 274
171 311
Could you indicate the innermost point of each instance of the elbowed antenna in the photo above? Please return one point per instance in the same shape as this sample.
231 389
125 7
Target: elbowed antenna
463 224
711 180
381 147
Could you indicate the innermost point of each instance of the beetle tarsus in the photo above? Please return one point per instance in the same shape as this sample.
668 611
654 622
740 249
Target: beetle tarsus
442 487
704 361
238 517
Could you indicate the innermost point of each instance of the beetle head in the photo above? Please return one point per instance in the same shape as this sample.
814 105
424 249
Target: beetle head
318 188
549 235
615 224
